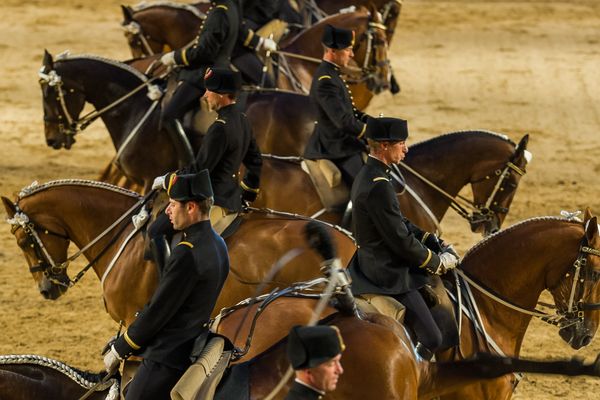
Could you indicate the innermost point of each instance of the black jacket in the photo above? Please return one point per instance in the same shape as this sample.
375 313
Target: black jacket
302 392
391 258
339 127
228 143
218 34
165 329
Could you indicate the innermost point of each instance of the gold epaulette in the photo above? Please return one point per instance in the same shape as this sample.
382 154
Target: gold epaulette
325 77
188 244
380 178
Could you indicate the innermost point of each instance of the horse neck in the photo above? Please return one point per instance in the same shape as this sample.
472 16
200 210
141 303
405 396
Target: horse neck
94 211
453 161
170 26
518 264
103 84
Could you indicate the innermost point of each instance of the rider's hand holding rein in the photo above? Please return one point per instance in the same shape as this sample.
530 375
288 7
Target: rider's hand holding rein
112 359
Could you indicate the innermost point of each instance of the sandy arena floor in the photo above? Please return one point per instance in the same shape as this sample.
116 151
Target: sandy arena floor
513 67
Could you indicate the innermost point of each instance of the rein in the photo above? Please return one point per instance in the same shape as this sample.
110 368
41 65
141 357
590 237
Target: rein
47 265
461 204
76 125
561 319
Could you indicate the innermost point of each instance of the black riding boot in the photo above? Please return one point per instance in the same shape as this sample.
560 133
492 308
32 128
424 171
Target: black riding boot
183 149
424 352
160 252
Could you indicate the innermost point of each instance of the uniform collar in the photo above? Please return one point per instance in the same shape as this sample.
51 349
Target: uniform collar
380 165
198 228
332 65
312 389
226 111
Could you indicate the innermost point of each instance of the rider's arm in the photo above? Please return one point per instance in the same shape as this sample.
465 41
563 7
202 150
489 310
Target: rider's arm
331 101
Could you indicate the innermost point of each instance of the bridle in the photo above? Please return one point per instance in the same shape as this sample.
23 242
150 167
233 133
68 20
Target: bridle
74 124
582 275
134 30
469 210
56 272
370 64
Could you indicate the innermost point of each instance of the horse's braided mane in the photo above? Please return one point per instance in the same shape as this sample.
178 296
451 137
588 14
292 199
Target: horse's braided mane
479 132
290 159
125 67
84 379
181 6
35 188
487 240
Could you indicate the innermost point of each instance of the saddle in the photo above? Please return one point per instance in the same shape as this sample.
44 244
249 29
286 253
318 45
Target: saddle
327 179
200 380
436 297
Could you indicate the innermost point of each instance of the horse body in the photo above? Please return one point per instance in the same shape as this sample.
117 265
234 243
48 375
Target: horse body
259 243
516 264
154 29
449 162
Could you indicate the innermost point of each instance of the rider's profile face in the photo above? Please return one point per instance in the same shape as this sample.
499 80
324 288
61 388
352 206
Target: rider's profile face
343 56
325 376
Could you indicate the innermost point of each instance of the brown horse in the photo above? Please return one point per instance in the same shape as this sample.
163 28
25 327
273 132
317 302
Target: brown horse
492 164
23 377
516 264
49 224
372 77
119 94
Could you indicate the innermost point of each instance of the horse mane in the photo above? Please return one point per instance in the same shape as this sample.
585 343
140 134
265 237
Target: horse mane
142 6
35 188
85 379
360 10
484 242
66 56
445 136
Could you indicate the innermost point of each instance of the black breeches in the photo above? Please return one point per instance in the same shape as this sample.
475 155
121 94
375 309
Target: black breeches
250 67
349 167
419 318
185 98
153 381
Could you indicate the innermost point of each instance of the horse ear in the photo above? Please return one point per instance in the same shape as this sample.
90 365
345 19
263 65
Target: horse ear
591 230
587 215
11 210
127 14
48 61
522 155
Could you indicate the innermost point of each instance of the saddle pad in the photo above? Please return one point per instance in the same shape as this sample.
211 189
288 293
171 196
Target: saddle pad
327 180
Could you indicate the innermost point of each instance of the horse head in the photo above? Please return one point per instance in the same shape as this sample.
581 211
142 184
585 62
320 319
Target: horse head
63 100
140 43
494 193
45 249
577 293
372 47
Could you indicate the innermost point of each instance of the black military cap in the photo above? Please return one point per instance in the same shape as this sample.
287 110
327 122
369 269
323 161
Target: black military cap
387 129
337 38
309 346
186 187
222 80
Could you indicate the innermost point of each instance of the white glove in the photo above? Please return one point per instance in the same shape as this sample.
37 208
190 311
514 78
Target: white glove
267 44
168 59
112 359
159 182
448 261
450 249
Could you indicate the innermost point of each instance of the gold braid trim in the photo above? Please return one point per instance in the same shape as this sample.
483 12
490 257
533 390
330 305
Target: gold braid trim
130 342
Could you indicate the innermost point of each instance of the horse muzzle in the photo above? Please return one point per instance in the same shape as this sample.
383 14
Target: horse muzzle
50 290
577 336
